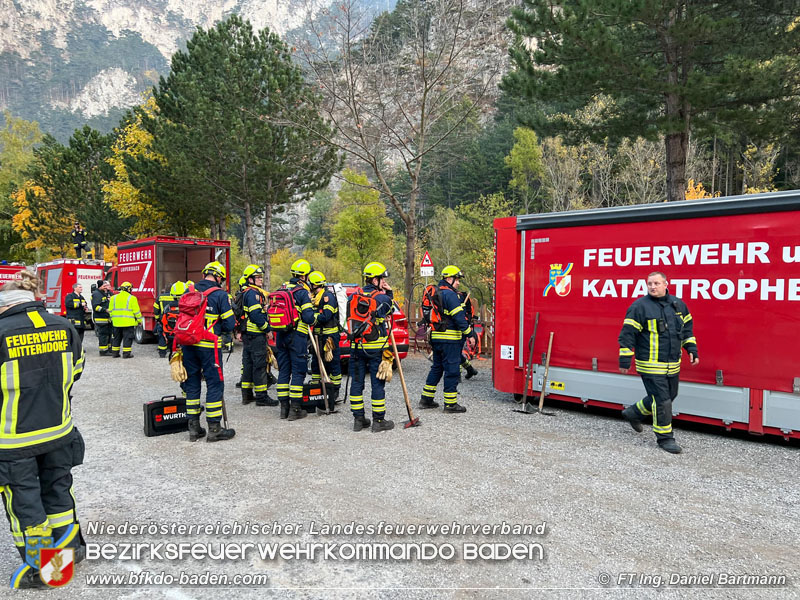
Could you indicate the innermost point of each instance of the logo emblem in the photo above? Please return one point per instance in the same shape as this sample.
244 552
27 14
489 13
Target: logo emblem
560 280
33 544
57 566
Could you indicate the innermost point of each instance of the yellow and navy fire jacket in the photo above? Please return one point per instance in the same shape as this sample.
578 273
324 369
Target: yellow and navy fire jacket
454 319
76 309
655 331
254 300
124 310
162 304
100 300
383 312
302 300
219 314
40 358
328 316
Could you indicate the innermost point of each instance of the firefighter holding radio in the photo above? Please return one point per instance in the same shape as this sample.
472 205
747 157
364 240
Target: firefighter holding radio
657 327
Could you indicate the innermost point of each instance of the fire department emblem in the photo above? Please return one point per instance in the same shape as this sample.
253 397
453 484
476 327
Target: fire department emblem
560 280
57 566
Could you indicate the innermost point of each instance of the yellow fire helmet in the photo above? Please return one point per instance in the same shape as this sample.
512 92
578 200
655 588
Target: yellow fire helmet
215 268
375 269
452 271
317 278
301 267
178 288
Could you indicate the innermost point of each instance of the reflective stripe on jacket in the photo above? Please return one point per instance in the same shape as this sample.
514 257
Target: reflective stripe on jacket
124 310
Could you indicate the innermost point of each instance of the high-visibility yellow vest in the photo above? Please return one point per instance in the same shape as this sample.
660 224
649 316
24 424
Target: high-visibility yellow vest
124 310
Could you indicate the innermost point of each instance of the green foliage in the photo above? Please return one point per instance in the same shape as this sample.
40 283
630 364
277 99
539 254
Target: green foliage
221 126
361 232
527 170
17 140
669 67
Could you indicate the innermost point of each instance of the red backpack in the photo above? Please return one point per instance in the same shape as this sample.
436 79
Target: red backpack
190 327
361 311
432 309
281 309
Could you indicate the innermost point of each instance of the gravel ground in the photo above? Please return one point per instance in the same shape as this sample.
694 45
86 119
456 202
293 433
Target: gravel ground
610 501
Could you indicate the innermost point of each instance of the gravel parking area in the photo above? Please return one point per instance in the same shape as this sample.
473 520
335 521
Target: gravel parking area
614 512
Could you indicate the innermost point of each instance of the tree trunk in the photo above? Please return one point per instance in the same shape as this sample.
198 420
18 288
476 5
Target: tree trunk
677 144
250 242
213 233
268 247
411 236
222 227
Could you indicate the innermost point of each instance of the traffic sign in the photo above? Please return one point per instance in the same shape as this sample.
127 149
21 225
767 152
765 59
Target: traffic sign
426 260
426 272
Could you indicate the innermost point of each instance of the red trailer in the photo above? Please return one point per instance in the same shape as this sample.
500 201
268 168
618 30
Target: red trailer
10 272
734 261
57 277
153 264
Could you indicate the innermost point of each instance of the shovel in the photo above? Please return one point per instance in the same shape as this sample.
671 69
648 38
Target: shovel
544 379
322 372
526 407
412 422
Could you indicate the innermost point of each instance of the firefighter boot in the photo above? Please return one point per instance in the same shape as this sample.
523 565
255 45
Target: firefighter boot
454 408
217 433
127 355
428 403
31 581
296 413
284 409
670 445
239 384
265 400
629 414
195 431
382 425
247 396
471 372
115 354
333 396
360 422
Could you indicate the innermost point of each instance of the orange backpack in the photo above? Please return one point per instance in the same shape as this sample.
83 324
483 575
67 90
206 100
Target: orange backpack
361 313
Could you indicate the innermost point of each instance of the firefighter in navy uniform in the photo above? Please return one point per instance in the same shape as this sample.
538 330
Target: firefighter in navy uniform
657 327
469 344
291 344
125 316
79 243
447 340
327 331
254 339
204 361
160 306
40 358
77 309
367 355
102 319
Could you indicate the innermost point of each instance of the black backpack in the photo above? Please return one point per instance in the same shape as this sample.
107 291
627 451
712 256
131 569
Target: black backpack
238 312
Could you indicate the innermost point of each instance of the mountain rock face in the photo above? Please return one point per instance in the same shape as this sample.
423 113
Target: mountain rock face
69 62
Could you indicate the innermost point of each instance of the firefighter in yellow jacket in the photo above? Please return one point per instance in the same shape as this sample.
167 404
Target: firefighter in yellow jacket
125 316
40 358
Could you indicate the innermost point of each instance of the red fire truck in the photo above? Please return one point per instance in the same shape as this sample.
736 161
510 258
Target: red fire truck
10 272
734 261
151 265
57 277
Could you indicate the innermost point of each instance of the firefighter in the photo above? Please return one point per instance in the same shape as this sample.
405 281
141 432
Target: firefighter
77 310
79 243
657 327
39 444
367 355
254 339
239 326
447 341
327 335
125 316
469 346
291 343
169 315
102 319
203 360
160 306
